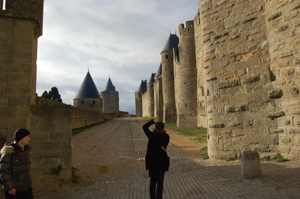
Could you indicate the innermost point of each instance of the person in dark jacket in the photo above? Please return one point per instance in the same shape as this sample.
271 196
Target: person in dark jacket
157 160
15 167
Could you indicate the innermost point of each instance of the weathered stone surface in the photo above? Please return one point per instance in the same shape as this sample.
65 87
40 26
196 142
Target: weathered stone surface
251 165
247 76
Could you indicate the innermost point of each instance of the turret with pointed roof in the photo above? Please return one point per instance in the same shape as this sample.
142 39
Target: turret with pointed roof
88 96
110 98
109 86
171 43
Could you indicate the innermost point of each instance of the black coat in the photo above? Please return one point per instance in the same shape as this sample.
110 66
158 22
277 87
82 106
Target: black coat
156 158
15 167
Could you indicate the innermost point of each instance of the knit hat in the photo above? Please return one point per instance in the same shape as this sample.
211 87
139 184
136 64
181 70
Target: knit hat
21 133
159 125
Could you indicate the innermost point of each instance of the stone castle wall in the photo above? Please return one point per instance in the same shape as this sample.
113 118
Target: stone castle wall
282 20
49 122
250 75
247 60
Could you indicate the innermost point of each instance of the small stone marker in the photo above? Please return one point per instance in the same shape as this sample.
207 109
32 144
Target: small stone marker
251 165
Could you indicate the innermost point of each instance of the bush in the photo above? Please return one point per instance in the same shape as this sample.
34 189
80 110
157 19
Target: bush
75 178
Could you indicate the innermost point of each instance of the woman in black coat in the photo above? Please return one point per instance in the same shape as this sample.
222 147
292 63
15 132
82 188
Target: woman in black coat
157 160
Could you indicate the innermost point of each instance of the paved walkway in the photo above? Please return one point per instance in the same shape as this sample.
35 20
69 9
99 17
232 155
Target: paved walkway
114 169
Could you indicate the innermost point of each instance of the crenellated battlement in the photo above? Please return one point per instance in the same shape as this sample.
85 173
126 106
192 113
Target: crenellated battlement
189 26
24 9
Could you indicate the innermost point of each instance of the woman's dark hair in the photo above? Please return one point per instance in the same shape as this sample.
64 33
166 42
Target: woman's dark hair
159 126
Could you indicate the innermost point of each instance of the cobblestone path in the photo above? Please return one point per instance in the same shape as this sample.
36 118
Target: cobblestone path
112 167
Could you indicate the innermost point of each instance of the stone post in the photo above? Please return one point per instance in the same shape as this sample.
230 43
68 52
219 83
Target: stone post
251 165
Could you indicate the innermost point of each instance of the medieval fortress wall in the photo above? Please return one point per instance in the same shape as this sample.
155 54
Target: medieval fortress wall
245 60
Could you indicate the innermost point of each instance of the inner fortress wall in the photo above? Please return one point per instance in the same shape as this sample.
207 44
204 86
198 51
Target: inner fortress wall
249 59
283 40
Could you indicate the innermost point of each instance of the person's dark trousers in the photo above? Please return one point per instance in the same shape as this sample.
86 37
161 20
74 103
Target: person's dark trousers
156 184
20 195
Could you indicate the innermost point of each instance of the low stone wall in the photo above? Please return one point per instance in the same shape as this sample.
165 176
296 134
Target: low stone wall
79 117
51 144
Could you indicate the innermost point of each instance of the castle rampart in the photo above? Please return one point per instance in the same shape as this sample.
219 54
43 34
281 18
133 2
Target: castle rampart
247 60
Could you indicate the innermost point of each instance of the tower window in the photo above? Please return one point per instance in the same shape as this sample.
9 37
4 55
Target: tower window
94 102
167 57
82 102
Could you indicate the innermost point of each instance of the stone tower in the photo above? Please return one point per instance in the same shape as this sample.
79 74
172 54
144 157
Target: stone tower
88 96
169 109
150 91
138 98
185 77
110 98
158 95
21 24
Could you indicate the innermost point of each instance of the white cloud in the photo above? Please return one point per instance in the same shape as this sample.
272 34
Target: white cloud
120 38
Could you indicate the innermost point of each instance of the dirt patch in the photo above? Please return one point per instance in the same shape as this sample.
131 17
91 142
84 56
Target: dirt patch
186 143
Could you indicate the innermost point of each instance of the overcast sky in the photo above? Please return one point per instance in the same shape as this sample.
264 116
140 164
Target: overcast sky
122 39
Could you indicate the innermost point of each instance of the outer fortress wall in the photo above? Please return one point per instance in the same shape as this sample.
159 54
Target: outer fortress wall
236 70
283 40
185 77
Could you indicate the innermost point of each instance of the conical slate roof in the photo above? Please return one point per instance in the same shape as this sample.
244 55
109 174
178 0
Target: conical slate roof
172 42
143 87
159 71
151 80
88 88
109 86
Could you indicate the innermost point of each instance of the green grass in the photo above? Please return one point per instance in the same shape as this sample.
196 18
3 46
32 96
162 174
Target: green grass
199 133
149 118
265 159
